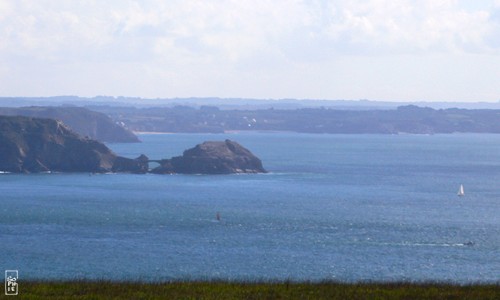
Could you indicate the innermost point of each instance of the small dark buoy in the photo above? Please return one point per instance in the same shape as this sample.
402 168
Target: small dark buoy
217 216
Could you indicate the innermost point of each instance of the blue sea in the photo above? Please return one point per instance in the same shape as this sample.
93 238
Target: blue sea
332 207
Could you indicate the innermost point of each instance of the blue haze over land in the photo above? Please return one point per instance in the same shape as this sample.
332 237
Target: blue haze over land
100 102
343 207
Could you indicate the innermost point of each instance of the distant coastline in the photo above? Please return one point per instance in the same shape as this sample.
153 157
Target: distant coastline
208 119
291 132
151 132
115 124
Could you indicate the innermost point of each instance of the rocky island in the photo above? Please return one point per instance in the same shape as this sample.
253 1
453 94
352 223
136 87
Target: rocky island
212 158
32 145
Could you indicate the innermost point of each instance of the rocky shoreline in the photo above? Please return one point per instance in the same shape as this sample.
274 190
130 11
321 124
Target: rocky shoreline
33 145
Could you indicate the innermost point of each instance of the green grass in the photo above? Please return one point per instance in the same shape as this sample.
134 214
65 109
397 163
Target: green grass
259 290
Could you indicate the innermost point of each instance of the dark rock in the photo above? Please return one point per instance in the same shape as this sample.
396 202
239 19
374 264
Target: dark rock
139 165
37 145
212 158
165 167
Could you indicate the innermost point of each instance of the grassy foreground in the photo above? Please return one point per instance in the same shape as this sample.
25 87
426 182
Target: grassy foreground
240 290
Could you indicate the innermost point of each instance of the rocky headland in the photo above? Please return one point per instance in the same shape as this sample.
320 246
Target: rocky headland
219 157
31 145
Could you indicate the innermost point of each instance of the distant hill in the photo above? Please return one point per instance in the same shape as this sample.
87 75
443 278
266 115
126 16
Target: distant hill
236 103
98 123
89 123
404 119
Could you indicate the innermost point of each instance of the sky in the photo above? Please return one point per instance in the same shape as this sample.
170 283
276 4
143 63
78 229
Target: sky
392 50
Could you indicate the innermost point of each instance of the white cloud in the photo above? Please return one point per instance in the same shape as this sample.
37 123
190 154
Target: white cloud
235 29
179 45
408 26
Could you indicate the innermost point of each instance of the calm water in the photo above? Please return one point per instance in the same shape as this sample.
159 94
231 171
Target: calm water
344 207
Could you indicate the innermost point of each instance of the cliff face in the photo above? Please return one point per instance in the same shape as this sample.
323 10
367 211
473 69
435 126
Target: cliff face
85 122
31 145
213 158
37 145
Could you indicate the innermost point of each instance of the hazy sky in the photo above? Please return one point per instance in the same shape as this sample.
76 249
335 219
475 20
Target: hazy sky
345 49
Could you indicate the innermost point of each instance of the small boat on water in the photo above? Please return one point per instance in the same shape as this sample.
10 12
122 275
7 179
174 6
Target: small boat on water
461 191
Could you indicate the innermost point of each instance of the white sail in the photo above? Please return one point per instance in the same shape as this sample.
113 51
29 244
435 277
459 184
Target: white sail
461 190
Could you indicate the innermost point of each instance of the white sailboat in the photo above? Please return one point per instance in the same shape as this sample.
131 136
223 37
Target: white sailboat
461 191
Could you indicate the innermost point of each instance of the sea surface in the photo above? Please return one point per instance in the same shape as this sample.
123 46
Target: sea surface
332 207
